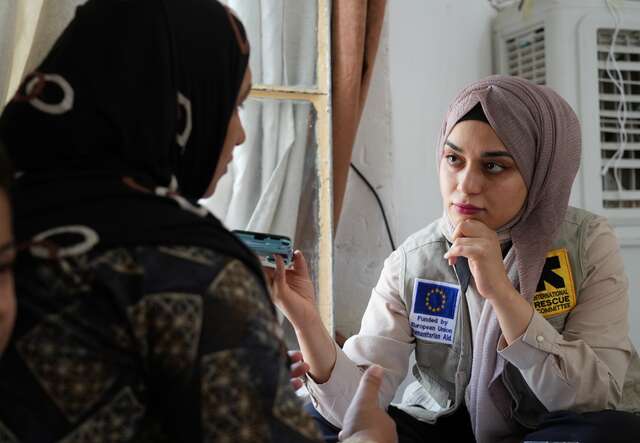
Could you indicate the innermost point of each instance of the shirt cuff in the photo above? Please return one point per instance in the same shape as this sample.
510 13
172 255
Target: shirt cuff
332 398
531 348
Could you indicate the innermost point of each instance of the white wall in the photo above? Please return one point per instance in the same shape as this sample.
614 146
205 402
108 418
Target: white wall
429 50
436 48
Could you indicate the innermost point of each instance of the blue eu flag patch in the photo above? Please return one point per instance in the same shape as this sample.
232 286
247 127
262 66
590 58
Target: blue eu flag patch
436 299
433 314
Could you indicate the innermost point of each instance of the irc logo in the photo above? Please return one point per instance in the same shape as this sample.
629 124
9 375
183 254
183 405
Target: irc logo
555 293
549 276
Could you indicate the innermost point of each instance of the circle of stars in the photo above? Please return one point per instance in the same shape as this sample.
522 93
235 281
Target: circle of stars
443 300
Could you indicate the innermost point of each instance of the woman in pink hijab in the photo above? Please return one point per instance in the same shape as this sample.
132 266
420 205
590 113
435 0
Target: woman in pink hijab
513 303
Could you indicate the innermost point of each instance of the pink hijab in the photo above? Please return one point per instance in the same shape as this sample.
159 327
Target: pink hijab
542 133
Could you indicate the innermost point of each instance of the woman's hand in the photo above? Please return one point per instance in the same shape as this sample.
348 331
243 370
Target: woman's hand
479 244
298 369
292 291
365 420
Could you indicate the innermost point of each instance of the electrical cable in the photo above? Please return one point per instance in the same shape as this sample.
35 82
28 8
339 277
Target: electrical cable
621 111
375 194
618 82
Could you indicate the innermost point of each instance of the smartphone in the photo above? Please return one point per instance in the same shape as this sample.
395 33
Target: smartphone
265 246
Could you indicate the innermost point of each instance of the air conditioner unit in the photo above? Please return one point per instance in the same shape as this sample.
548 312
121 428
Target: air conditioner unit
565 44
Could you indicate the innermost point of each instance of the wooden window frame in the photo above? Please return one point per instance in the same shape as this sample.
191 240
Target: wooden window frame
320 98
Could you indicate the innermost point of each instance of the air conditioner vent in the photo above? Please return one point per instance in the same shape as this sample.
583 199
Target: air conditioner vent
621 183
526 55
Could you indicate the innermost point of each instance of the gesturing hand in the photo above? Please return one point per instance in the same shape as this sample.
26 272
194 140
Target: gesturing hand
365 419
479 244
298 369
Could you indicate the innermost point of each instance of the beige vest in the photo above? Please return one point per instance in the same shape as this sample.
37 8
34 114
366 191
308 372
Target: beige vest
443 370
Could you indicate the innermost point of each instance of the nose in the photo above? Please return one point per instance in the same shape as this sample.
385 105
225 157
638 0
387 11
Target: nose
470 181
242 136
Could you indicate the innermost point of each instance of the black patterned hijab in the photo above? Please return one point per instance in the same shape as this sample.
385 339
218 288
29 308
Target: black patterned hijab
121 127
5 169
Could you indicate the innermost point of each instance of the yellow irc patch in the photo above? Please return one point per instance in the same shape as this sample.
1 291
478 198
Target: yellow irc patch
555 293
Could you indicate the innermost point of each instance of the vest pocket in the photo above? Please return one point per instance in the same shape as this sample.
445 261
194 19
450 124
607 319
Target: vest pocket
438 359
436 366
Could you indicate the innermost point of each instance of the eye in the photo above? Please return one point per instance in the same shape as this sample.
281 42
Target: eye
493 167
452 159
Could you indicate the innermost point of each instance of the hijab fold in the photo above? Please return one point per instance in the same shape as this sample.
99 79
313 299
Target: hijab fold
134 97
542 133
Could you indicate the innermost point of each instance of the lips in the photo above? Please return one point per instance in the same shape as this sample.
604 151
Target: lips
466 209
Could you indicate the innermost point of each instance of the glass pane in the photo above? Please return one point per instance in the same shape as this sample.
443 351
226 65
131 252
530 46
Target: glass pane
283 38
272 183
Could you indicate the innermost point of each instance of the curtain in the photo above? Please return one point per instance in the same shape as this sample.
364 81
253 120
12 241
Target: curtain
18 23
28 30
54 17
356 26
263 188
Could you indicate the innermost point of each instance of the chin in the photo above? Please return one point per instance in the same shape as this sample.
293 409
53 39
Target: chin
459 218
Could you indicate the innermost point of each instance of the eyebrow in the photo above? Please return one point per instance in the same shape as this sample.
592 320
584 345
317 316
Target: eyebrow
489 154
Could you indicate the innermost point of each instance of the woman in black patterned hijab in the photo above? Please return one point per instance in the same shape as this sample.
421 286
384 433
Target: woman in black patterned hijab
140 317
7 293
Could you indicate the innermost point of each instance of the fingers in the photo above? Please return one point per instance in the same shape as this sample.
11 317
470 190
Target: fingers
279 274
466 228
365 420
268 273
364 403
300 264
300 268
452 260
452 254
299 369
465 231
471 248
296 383
367 393
465 249
470 228
279 270
277 280
295 356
